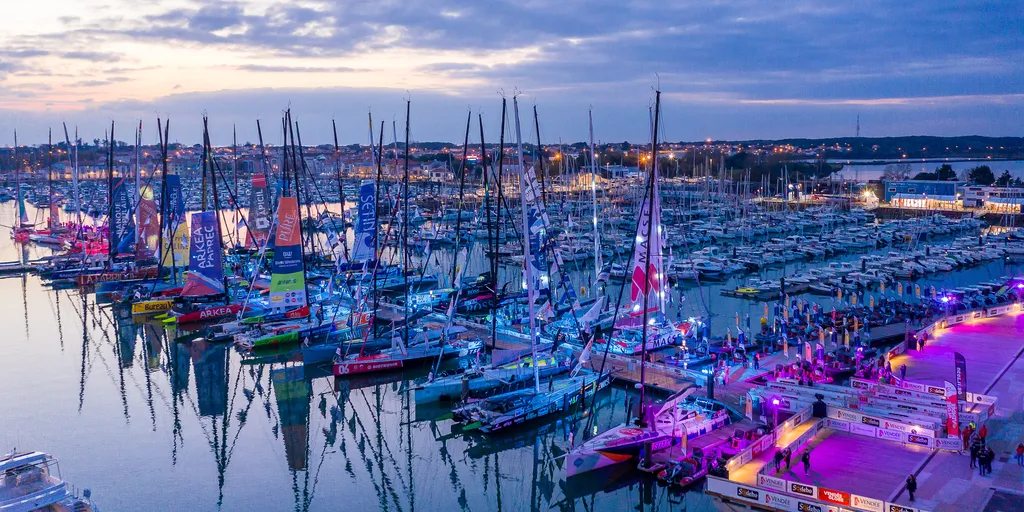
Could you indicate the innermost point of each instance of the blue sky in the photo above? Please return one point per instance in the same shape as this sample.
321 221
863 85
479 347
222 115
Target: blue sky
736 69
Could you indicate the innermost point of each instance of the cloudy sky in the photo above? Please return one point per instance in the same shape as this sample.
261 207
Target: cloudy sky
730 69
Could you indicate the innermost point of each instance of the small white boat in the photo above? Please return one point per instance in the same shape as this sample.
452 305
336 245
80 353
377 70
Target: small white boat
31 481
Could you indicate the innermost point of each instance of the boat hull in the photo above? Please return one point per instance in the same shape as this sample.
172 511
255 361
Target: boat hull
150 307
358 367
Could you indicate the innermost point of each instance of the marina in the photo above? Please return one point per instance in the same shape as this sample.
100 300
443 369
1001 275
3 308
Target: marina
659 344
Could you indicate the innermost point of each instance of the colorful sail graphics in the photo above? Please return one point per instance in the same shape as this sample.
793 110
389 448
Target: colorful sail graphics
149 219
259 212
648 274
22 214
537 220
175 201
366 225
288 280
205 269
122 222
176 233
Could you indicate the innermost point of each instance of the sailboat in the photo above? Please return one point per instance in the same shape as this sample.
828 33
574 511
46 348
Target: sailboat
507 409
675 419
23 228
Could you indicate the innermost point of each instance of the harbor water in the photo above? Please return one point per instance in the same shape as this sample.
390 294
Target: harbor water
148 424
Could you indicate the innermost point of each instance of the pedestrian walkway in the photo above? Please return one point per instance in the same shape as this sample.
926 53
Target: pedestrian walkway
992 348
857 464
747 473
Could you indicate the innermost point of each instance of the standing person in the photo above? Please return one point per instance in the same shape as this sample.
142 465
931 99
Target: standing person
806 459
983 432
788 454
903 372
778 460
757 361
911 486
1020 454
981 461
989 457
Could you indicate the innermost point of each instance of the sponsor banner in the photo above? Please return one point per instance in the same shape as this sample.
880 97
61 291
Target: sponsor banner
804 506
259 221
205 268
833 496
366 224
952 410
977 398
894 507
779 501
865 503
920 440
122 221
863 430
149 223
834 424
800 489
960 376
858 418
948 443
771 482
288 280
889 435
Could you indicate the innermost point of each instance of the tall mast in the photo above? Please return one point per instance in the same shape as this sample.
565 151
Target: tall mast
651 232
462 188
216 199
491 240
17 182
593 197
163 204
376 217
539 153
110 195
49 172
234 176
405 224
341 188
528 268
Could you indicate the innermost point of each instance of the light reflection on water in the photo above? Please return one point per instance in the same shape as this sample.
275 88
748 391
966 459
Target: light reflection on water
167 426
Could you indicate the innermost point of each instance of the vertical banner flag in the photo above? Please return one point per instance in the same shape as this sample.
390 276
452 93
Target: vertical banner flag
259 211
366 224
952 411
288 280
961 376
122 224
149 220
205 268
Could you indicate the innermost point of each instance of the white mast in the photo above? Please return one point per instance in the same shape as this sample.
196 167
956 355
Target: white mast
593 197
526 190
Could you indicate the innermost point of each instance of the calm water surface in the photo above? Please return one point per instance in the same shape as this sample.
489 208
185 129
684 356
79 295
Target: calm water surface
149 424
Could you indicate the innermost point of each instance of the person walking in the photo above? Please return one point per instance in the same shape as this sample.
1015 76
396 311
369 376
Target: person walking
757 361
1020 454
778 460
903 372
983 432
788 454
911 486
989 457
806 459
974 455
